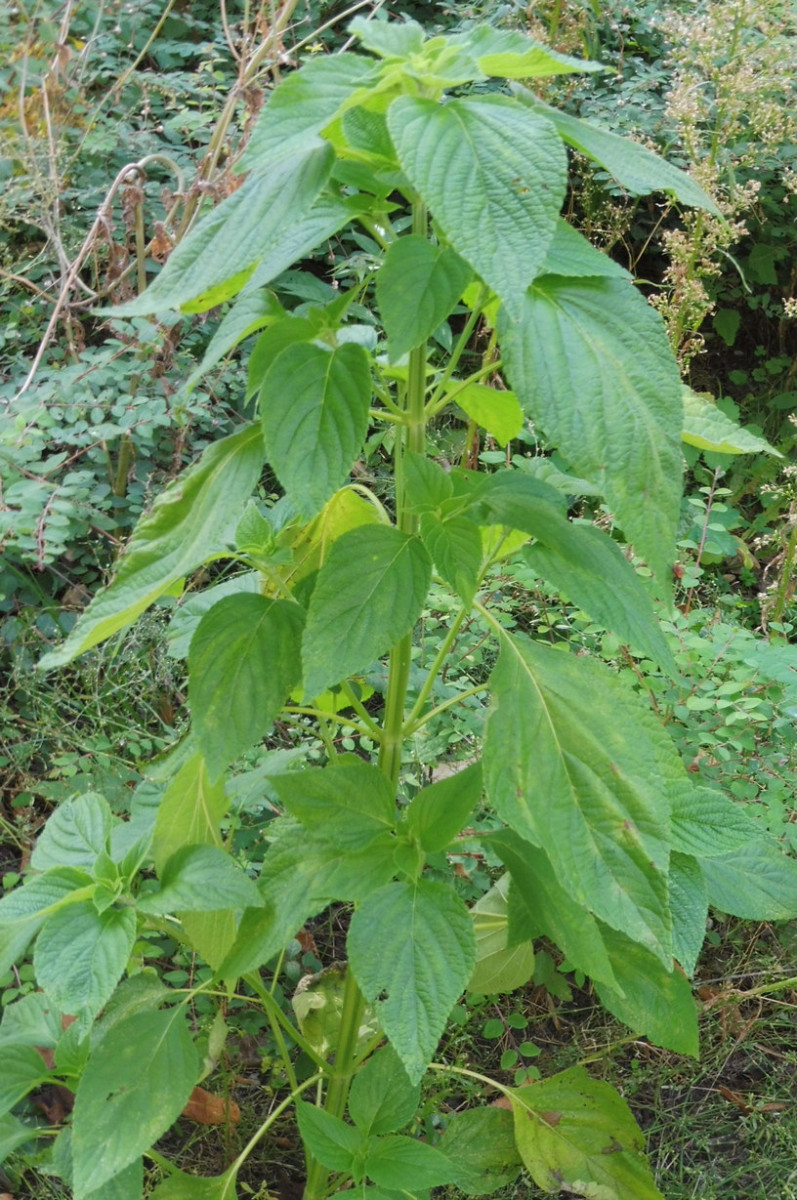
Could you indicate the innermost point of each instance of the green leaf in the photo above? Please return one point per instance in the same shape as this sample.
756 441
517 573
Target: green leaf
389 39
706 823
571 254
456 549
128 1184
227 245
634 167
136 1084
707 427
757 882
81 955
592 571
497 412
430 935
352 804
395 1161
438 812
689 905
493 178
23 1070
417 287
550 907
511 55
31 1021
75 834
192 522
481 1144
189 813
253 310
428 485
305 103
568 765
499 967
382 1098
314 407
590 362
302 874
578 1133
651 1000
13 1134
200 879
282 247
179 1186
23 910
330 1140
369 593
242 664
319 1002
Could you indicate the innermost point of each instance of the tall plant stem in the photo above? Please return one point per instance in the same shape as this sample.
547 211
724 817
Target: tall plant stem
413 438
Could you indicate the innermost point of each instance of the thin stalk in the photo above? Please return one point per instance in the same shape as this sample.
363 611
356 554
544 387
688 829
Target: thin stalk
414 725
459 349
277 1018
436 667
436 406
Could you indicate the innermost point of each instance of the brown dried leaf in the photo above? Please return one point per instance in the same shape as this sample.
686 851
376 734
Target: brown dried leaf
207 1109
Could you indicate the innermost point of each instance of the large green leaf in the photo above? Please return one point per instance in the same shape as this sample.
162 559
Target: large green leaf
192 522
200 879
189 814
369 593
511 55
481 1144
499 967
81 955
573 762
415 985
136 1084
438 812
293 242
590 361
351 804
578 1133
591 570
216 258
314 406
651 1000
389 39
493 178
23 1070
417 287
23 910
634 167
253 310
404 1163
382 1098
180 1186
330 1140
496 411
707 823
75 834
707 427
13 1134
571 254
242 664
757 882
456 549
302 874
550 908
689 906
302 106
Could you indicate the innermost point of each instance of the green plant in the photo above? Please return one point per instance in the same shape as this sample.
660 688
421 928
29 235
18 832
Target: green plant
609 849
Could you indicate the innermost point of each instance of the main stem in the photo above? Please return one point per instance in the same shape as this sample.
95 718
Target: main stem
410 436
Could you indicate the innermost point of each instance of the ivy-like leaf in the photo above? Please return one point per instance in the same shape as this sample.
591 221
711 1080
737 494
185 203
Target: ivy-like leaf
192 522
578 1133
134 1087
369 593
590 362
314 408
432 953
568 765
417 287
493 179
242 664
